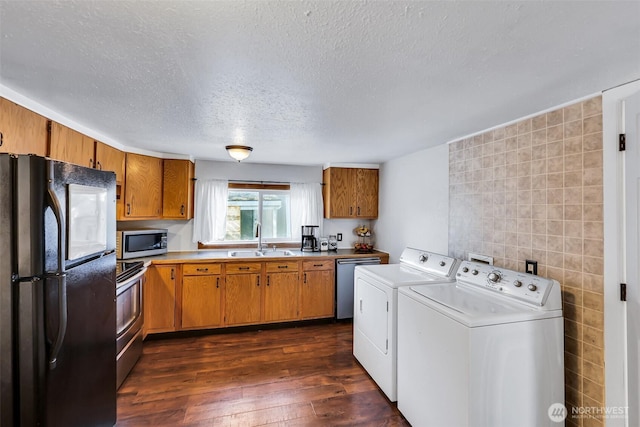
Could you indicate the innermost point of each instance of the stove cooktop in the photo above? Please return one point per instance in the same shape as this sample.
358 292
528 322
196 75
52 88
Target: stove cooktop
127 269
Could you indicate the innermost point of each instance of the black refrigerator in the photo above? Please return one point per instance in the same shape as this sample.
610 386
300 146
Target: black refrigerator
57 294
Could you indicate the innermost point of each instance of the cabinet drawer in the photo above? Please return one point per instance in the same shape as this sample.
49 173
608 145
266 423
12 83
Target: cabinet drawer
245 267
200 269
282 267
318 265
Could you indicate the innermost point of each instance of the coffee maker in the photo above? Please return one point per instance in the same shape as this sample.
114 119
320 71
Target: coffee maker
310 242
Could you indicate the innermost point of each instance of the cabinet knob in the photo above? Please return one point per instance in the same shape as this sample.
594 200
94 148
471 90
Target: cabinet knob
217 282
128 208
1 139
99 165
268 280
182 210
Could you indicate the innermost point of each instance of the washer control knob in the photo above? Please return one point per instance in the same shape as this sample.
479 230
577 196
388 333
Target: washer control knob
517 283
494 277
465 269
423 258
442 263
532 287
474 272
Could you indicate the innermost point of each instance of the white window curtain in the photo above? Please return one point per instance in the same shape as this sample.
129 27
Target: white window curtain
210 217
306 207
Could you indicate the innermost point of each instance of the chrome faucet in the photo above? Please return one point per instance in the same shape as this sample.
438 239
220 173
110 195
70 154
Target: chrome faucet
259 235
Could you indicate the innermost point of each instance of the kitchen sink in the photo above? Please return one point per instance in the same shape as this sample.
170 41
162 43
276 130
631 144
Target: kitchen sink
245 254
258 254
279 253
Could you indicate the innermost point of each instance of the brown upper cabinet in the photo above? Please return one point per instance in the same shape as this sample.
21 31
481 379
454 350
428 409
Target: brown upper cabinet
350 193
143 187
68 145
178 187
110 159
21 130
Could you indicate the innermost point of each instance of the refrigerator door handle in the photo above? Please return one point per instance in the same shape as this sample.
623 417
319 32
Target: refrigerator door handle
59 274
62 315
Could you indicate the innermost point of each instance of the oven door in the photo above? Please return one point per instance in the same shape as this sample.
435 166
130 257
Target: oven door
129 310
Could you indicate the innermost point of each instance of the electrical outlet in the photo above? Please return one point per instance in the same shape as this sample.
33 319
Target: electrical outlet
339 237
531 266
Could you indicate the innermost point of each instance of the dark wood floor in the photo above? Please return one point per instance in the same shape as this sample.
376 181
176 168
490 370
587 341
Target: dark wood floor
302 376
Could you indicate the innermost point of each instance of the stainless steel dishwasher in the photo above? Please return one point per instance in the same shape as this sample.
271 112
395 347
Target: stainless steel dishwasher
344 284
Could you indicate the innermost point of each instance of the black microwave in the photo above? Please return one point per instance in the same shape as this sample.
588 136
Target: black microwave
141 243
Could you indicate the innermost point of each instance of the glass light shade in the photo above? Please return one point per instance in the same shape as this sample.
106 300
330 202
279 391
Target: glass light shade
239 152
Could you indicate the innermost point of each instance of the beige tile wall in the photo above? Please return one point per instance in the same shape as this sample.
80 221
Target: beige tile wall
533 190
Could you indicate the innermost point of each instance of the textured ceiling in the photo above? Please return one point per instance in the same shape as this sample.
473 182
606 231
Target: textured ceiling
310 82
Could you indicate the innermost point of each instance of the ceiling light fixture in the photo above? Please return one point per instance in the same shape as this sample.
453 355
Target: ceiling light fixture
239 152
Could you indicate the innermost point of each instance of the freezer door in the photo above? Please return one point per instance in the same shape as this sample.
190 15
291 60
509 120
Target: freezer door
87 200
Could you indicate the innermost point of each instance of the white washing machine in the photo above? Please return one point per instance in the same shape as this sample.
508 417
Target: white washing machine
484 352
375 309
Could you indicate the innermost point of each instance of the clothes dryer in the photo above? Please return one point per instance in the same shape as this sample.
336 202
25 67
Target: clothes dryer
375 309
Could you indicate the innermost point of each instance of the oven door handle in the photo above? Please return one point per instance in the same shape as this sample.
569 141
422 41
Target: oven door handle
129 282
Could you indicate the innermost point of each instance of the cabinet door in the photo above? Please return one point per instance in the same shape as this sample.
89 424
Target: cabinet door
201 301
143 187
281 297
339 192
159 298
21 130
367 193
68 145
242 299
317 294
177 198
110 159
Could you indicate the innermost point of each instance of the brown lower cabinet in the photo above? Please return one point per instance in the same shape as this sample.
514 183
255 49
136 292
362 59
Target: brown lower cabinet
202 287
281 291
243 296
203 295
317 291
160 298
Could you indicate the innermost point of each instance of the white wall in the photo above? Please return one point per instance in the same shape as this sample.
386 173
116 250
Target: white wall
414 203
244 171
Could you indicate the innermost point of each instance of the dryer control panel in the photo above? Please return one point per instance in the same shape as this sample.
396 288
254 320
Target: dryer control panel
514 284
430 262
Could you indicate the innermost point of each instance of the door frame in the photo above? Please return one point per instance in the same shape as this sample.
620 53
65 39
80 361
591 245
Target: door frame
615 311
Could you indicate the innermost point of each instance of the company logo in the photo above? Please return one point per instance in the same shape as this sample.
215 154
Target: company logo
557 412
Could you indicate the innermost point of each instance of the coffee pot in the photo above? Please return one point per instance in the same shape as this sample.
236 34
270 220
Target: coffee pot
310 242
